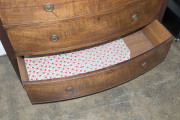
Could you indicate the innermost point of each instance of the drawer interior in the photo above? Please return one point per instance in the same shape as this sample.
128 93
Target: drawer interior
117 51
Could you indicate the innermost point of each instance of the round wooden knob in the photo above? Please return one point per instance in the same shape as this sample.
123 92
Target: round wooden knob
48 7
54 38
134 17
69 90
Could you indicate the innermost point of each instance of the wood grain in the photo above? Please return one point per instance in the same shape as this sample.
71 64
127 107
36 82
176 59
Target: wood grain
31 11
22 69
83 32
138 43
88 83
26 28
156 32
32 3
98 81
8 48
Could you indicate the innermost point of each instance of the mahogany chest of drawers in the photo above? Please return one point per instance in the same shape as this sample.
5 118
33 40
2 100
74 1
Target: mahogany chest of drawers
63 49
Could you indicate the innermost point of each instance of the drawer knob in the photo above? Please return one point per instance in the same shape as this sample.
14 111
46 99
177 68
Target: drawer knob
134 17
144 64
54 38
69 90
48 7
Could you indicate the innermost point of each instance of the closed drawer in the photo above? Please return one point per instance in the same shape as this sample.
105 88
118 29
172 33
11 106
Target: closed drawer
148 47
22 11
35 39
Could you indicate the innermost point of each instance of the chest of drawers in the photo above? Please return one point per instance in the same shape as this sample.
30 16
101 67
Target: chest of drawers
64 49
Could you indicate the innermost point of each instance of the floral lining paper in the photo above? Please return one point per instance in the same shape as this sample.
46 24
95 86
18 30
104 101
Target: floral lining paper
79 62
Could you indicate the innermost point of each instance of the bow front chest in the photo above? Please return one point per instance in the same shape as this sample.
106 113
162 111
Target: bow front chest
64 49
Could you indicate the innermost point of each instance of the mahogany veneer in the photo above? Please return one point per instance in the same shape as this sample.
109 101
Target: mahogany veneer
146 52
19 11
29 29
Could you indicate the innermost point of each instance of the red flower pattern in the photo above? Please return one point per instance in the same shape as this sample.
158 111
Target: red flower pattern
69 64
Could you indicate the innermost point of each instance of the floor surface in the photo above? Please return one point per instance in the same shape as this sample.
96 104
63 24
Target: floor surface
152 96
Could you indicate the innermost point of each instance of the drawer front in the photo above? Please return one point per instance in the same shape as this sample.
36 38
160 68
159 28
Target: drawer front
83 32
30 11
98 80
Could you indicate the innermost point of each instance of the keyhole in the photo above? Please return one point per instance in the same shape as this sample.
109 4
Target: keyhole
98 19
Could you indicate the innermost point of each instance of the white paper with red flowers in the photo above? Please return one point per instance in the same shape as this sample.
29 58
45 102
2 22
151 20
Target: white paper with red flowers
69 64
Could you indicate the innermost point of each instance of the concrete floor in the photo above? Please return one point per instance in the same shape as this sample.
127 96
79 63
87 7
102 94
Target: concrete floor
152 96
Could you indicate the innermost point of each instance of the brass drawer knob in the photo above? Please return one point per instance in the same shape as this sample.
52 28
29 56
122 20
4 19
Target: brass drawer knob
134 17
54 38
48 7
69 90
144 64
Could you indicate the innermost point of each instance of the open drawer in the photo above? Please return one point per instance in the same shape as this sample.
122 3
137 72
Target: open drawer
146 48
